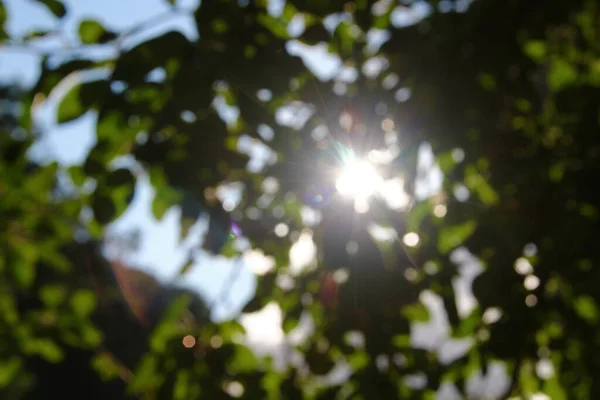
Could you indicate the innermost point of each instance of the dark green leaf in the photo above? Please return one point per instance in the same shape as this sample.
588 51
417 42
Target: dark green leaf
91 31
104 208
55 6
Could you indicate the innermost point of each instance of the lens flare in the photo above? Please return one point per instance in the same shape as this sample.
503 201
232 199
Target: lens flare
358 179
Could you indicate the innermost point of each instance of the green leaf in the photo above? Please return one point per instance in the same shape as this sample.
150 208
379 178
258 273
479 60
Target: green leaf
164 199
104 208
244 360
3 15
146 375
454 236
91 335
401 341
8 370
562 74
91 31
24 272
180 389
476 182
120 177
535 49
106 366
358 360
165 196
275 25
70 106
416 214
83 302
487 81
53 295
46 348
55 6
81 98
556 172
468 325
416 312
586 307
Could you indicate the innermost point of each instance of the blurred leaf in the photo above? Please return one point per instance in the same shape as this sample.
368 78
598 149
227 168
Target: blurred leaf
91 336
244 360
2 21
120 177
106 366
453 236
416 215
80 99
274 25
55 6
46 348
53 295
180 390
401 341
165 196
24 272
104 208
254 305
536 49
562 74
476 182
145 376
83 302
8 370
586 307
91 32
468 325
416 312
556 172
487 81
358 360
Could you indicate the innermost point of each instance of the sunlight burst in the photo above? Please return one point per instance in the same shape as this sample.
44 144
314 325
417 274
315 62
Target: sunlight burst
358 179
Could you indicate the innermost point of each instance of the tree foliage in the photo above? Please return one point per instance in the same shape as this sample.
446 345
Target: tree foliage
506 95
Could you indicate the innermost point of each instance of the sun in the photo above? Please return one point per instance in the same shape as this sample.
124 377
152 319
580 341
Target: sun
358 179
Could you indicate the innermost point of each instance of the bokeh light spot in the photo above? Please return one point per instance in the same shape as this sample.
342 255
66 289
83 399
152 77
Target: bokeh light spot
411 239
440 210
281 229
189 341
531 300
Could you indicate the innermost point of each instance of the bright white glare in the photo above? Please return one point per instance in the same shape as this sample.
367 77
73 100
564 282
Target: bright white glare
531 282
281 229
302 253
358 179
234 389
258 262
440 210
411 239
492 315
523 266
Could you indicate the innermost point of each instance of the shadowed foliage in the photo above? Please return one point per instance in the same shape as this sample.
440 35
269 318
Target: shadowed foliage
497 255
